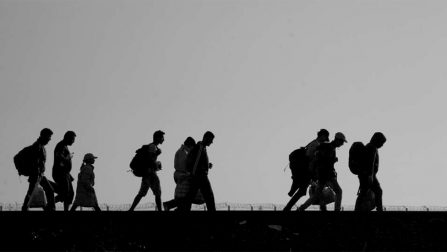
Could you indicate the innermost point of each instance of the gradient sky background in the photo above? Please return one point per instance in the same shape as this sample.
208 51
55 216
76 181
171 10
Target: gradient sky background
264 76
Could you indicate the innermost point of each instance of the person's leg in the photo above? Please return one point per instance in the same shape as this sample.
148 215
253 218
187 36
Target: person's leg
156 189
49 193
207 192
312 199
70 192
144 188
168 205
64 189
293 187
73 207
185 203
333 183
302 188
377 189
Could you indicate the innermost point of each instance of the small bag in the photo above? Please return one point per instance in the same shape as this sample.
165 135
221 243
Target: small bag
38 198
366 202
198 199
327 196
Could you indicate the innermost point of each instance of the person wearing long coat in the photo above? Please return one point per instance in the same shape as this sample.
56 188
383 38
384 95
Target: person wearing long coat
85 193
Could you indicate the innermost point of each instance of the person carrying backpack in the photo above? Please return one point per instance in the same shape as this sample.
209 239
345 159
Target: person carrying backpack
37 158
322 137
326 175
368 173
62 168
302 165
149 177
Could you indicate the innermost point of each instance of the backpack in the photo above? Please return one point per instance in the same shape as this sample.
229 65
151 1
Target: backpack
298 162
356 157
23 161
139 163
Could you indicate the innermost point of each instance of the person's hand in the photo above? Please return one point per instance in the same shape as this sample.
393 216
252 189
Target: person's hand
158 152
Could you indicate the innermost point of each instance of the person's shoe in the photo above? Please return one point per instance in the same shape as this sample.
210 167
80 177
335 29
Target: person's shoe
165 206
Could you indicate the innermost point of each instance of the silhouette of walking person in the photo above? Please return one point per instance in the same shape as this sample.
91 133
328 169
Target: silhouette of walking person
182 177
38 158
61 170
85 193
150 178
198 166
302 180
327 176
368 174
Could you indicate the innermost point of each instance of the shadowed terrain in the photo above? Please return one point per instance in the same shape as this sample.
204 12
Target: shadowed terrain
223 231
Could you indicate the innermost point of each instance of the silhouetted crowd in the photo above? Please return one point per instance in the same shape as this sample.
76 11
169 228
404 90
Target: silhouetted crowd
312 167
191 165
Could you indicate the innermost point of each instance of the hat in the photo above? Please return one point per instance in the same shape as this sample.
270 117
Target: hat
340 136
89 156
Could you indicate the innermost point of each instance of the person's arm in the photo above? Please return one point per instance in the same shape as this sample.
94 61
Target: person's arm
41 158
153 154
62 155
371 159
93 177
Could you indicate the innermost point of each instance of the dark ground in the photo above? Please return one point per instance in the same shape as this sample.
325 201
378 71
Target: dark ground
223 231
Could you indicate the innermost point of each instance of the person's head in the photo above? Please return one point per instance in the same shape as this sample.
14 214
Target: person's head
45 136
378 139
69 137
189 142
339 139
159 137
208 138
89 158
323 136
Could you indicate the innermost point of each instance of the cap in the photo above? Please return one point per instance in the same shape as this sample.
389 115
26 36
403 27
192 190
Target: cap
89 156
340 136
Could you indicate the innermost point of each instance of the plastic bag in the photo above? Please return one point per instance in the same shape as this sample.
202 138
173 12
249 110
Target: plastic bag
366 202
327 196
38 197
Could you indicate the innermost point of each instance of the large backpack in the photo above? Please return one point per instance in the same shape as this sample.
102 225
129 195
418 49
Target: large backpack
140 162
299 162
357 154
24 161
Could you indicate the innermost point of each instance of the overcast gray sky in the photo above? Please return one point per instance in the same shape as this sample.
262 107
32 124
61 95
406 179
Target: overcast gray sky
264 76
